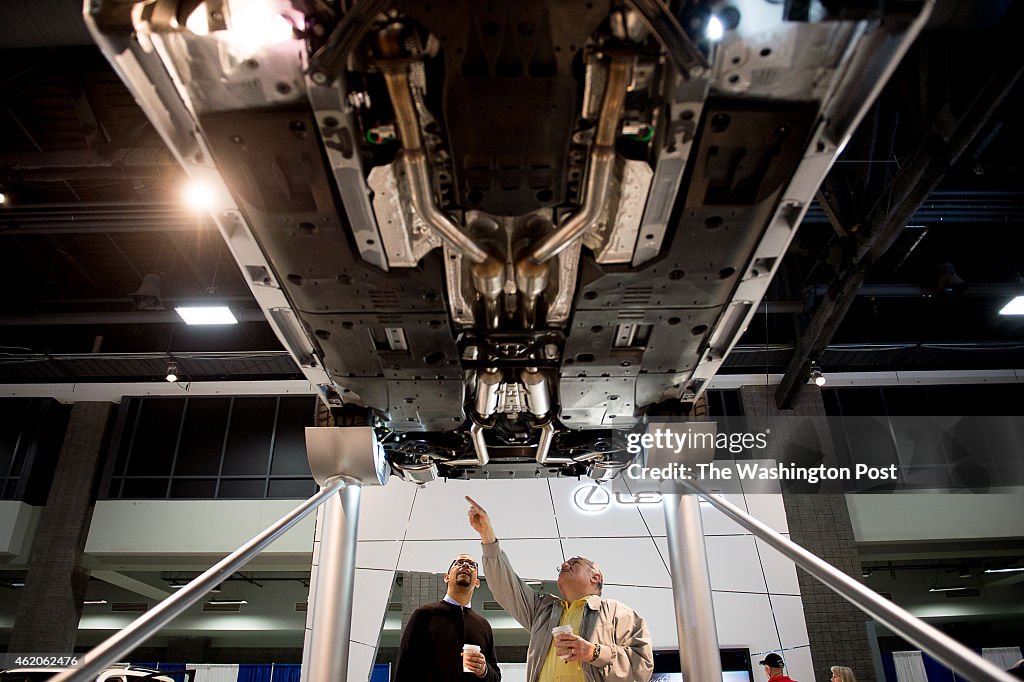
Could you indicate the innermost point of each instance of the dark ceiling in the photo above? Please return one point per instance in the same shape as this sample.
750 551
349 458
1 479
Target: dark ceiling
915 242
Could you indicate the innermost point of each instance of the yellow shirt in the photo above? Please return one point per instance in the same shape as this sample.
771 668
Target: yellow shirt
554 668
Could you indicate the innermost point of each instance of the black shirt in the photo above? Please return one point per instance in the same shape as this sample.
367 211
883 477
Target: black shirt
431 649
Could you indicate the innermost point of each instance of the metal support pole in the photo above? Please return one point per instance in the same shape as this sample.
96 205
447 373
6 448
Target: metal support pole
116 646
691 588
334 588
939 645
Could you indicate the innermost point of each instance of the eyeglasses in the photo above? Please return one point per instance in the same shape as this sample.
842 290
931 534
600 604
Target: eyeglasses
464 562
576 560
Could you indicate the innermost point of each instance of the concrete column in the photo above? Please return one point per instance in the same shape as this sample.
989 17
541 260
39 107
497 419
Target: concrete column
820 522
51 601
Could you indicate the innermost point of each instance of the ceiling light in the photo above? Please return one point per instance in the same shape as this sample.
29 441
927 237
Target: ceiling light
94 602
816 375
198 196
1004 570
219 314
714 30
172 372
965 572
228 602
1014 307
947 589
3 198
865 573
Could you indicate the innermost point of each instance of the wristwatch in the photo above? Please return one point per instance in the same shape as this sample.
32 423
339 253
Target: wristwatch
597 652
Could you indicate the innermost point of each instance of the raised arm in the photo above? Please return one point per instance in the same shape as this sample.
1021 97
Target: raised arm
514 595
481 522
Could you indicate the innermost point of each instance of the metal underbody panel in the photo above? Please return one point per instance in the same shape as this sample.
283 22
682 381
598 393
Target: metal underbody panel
510 231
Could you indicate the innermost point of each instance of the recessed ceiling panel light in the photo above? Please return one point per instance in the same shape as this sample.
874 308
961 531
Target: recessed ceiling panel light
1014 307
1004 570
220 314
947 589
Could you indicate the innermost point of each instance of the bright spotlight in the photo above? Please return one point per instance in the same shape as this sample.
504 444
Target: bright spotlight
172 372
1014 307
817 377
198 196
3 198
714 30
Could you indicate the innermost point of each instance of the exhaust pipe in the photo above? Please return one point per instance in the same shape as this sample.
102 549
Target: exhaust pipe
488 271
531 269
489 385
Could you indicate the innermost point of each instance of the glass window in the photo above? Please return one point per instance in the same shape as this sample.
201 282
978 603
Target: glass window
131 407
156 437
249 435
144 488
291 488
196 488
202 439
12 423
293 416
910 401
243 488
865 402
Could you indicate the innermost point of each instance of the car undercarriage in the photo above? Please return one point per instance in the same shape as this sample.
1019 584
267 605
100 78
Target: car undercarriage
504 233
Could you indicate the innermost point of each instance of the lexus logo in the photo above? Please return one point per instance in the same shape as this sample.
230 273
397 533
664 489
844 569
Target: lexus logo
591 498
595 498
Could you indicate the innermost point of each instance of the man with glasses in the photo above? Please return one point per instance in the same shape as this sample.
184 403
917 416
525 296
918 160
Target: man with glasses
609 641
432 643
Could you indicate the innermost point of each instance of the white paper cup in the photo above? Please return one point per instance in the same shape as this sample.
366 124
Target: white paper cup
562 630
465 648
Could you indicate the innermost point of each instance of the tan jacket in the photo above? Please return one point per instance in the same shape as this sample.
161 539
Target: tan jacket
626 654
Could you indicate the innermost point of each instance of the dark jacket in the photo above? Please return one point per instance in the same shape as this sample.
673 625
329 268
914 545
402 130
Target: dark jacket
431 649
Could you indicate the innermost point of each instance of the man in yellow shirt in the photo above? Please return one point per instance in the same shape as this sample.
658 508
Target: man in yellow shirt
610 641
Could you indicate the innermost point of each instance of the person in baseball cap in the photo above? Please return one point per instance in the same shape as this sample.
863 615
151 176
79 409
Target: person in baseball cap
773 665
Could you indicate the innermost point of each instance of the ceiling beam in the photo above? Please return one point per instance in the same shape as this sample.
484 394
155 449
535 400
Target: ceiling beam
130 584
905 195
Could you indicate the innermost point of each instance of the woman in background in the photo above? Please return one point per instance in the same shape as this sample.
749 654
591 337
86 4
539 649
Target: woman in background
842 674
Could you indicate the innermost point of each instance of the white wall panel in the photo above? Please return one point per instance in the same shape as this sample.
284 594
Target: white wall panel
800 667
733 564
768 509
534 559
789 616
384 511
655 605
369 604
717 523
625 561
745 620
378 554
360 662
779 571
518 509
